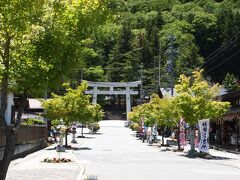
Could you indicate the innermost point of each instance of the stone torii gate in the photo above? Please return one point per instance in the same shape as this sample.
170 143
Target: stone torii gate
111 90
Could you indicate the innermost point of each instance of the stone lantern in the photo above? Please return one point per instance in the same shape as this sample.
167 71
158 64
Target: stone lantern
74 131
61 127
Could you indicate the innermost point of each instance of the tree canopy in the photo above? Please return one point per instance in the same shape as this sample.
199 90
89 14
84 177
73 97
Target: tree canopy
196 99
41 43
138 34
73 106
162 112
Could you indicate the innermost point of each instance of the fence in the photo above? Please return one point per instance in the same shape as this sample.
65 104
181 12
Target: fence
26 134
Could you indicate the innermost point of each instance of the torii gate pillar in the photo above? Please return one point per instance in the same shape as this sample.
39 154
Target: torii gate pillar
128 100
94 98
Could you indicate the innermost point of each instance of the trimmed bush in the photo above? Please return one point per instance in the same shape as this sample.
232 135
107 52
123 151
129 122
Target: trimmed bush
94 127
32 122
135 126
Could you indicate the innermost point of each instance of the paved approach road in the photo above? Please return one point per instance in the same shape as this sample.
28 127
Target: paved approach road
115 154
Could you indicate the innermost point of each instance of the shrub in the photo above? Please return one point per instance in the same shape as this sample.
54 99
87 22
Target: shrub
94 127
32 122
135 126
57 160
131 126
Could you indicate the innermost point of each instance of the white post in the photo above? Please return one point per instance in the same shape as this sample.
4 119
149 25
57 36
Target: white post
94 99
111 88
128 101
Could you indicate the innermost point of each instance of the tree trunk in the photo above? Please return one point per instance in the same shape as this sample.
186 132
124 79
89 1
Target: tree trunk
217 136
163 130
178 136
8 152
82 130
237 132
10 137
192 139
10 134
66 134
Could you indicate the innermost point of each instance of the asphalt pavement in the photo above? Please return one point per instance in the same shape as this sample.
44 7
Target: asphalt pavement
116 154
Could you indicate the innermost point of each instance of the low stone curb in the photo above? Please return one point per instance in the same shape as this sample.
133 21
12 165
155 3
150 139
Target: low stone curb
82 169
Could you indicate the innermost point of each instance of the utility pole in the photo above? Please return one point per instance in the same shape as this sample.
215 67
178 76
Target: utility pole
159 92
81 75
170 69
141 86
159 67
170 64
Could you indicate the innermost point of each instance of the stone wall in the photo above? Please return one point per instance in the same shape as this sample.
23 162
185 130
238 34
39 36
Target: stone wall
24 149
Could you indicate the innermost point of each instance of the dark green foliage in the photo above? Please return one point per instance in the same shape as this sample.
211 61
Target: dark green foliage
135 126
32 122
119 56
94 74
94 127
230 82
139 31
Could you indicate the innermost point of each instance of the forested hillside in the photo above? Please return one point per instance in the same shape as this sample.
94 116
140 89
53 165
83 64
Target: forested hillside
132 43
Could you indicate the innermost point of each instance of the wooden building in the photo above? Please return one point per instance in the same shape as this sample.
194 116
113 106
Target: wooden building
224 132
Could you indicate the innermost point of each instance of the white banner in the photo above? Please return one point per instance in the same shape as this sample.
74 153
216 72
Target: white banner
204 134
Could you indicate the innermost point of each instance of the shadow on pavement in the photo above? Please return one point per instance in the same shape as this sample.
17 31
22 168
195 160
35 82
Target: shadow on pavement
207 158
86 137
81 148
222 158
98 133
70 148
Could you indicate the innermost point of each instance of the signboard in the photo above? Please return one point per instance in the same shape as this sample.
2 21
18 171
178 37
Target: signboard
182 135
204 134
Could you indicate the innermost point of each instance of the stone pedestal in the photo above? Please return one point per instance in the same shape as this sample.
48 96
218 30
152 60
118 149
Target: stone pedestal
74 131
60 147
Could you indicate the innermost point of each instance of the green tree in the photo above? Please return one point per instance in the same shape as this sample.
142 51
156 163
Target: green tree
165 111
196 100
118 56
228 20
201 27
38 45
143 111
230 82
73 106
18 21
187 57
157 111
94 74
203 21
105 37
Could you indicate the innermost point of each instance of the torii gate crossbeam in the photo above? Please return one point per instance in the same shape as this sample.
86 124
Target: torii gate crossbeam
111 91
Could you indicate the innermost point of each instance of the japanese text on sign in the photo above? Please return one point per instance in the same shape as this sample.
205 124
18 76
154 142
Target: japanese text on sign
204 134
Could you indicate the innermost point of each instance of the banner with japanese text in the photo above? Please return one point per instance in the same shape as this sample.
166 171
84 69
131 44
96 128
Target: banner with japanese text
182 135
204 135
